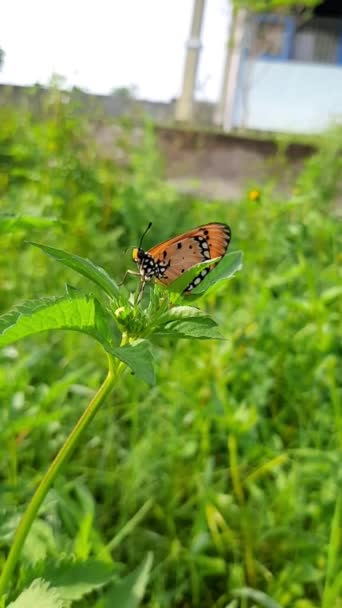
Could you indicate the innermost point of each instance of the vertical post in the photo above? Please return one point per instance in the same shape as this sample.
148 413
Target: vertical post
221 104
184 107
339 50
224 115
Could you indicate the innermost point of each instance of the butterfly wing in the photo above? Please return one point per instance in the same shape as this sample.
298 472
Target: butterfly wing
184 251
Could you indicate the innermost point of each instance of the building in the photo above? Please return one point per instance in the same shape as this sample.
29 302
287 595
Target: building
283 72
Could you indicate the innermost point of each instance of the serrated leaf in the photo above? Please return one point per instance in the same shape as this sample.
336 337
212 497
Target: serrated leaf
11 223
80 313
83 266
74 580
138 357
130 592
181 312
199 327
228 266
192 329
185 279
39 595
257 596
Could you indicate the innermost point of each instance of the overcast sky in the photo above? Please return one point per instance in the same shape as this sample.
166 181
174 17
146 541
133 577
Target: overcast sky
104 44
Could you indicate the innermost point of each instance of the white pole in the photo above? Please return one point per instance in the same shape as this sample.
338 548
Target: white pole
224 115
221 104
184 107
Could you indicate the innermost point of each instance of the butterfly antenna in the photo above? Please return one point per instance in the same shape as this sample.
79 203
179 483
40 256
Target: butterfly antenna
144 233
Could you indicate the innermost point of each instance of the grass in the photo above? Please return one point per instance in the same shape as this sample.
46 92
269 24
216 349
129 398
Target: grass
229 469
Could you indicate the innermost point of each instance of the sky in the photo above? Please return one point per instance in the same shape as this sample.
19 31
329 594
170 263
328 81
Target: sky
106 44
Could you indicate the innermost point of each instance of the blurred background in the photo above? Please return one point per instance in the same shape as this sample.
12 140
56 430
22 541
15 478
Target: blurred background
182 112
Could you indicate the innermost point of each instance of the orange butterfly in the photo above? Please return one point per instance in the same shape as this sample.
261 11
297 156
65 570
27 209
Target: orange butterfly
168 260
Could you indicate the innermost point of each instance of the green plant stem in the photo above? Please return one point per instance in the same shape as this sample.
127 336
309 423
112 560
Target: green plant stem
240 496
115 368
335 544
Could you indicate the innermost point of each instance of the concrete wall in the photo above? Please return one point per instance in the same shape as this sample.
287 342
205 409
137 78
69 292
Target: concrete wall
222 166
197 161
288 96
117 105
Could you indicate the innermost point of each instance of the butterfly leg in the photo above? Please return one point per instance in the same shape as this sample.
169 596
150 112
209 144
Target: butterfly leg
142 284
136 274
141 291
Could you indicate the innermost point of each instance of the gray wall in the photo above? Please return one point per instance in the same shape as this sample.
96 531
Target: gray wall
288 96
198 159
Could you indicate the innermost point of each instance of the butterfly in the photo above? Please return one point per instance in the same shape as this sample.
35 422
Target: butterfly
166 261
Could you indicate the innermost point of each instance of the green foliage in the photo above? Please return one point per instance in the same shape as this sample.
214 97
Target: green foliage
41 595
138 357
12 223
228 469
71 581
85 267
321 178
129 592
85 314
261 599
269 6
230 264
76 579
79 313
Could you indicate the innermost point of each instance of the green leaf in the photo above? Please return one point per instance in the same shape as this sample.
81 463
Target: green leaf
84 267
183 281
40 541
81 313
332 293
39 595
211 565
74 580
128 527
332 588
227 267
188 322
202 328
181 312
257 596
130 592
12 223
138 357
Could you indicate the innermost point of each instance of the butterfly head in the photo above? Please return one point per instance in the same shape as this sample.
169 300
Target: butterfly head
141 258
148 267
138 255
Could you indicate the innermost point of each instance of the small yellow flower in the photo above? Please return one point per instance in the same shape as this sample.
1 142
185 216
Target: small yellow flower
254 195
